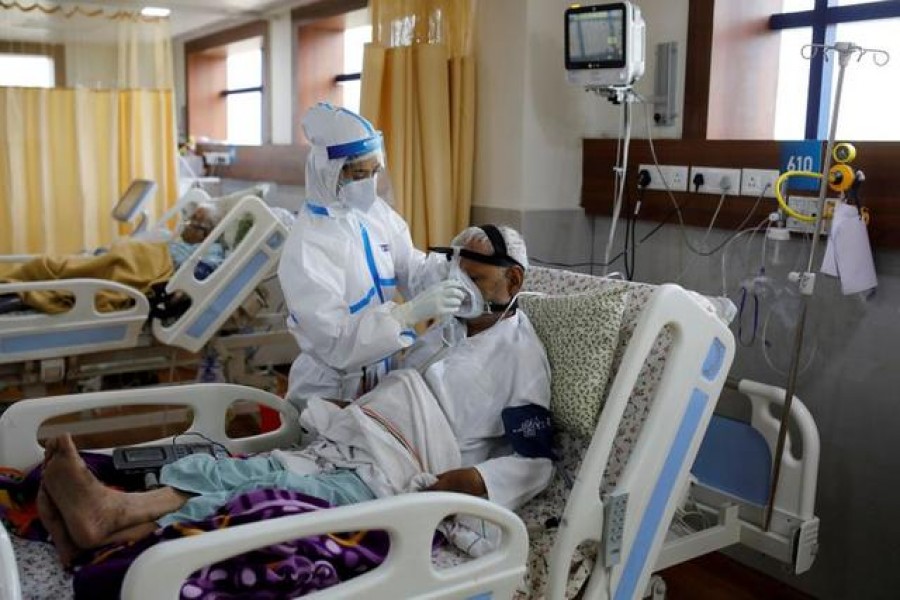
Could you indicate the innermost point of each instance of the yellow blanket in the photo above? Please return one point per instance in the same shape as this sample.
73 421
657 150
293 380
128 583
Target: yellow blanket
136 264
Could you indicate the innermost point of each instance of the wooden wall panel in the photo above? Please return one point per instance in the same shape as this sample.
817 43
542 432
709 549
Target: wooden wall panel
276 163
743 82
320 58
696 79
877 159
206 106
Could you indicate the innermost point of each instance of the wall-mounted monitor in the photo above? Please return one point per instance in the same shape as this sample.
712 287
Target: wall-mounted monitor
605 44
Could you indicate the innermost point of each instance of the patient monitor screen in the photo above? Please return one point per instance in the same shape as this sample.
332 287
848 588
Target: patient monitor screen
142 454
595 37
135 196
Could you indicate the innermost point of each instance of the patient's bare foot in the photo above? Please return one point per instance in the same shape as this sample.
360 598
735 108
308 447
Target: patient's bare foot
89 509
50 447
56 527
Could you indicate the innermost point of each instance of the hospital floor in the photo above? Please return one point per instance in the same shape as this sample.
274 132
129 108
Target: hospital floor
718 577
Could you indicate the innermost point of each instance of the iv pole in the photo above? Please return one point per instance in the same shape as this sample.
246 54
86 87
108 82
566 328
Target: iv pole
807 279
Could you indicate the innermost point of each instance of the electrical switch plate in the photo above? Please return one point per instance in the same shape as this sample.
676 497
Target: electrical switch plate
615 508
753 181
676 177
808 206
219 158
717 180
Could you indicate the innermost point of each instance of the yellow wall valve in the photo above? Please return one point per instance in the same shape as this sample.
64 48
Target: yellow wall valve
840 178
843 153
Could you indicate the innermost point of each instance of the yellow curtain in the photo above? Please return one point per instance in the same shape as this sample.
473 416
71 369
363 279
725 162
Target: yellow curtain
418 88
67 155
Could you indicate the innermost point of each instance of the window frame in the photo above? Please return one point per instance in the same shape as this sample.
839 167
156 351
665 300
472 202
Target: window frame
701 26
254 29
57 52
823 19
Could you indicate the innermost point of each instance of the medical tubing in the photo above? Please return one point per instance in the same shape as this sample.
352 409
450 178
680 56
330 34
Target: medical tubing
725 251
677 208
621 170
765 351
591 263
740 334
779 183
712 222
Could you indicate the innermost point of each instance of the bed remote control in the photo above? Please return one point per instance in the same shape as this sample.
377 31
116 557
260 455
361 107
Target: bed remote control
614 509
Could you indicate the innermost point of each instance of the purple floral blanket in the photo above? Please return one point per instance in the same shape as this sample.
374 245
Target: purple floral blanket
285 570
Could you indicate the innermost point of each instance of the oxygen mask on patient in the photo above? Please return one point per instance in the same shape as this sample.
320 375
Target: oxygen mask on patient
473 304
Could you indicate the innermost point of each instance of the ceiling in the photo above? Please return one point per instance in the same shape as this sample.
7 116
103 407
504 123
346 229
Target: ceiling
188 17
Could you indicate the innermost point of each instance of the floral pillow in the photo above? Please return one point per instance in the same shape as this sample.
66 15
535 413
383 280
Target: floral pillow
580 333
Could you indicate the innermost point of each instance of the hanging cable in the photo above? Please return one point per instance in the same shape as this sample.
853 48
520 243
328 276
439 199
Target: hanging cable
621 170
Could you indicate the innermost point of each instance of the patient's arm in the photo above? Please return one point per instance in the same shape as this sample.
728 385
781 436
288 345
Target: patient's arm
464 481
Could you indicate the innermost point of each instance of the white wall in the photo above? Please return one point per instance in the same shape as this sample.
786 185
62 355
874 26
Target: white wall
524 99
280 92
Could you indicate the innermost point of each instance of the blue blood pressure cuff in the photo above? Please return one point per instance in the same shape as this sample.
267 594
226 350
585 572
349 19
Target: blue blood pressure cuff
529 430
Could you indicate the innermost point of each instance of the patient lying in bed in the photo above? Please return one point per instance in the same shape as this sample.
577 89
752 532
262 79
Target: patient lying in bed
475 421
139 264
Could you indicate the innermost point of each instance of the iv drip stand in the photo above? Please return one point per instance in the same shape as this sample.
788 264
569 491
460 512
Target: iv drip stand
807 279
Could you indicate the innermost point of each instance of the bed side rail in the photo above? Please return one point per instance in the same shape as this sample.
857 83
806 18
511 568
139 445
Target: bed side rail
734 468
694 373
80 330
19 424
407 572
215 298
10 587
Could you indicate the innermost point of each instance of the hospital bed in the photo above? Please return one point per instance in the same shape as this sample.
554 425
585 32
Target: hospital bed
621 488
38 348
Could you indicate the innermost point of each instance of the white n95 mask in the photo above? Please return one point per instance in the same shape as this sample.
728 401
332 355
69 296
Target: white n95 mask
473 302
358 194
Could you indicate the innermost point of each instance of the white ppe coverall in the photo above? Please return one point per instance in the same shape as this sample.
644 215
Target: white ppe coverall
342 265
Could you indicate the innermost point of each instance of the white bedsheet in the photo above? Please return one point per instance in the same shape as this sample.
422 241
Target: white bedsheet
355 437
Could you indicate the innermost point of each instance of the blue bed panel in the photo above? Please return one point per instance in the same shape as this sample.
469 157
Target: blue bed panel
220 304
734 458
32 342
662 491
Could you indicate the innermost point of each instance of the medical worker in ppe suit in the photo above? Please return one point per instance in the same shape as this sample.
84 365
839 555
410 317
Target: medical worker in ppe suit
346 257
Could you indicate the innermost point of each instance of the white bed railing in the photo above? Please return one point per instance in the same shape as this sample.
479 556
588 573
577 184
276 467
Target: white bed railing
10 587
695 371
209 402
82 328
215 298
410 520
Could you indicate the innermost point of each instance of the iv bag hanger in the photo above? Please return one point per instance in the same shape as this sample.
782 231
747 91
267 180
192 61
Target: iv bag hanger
845 51
807 279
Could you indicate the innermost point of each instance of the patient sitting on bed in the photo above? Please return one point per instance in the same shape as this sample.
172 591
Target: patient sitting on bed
471 418
139 264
